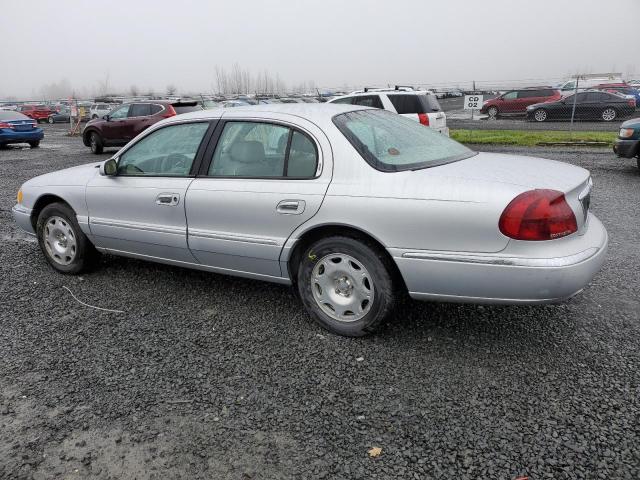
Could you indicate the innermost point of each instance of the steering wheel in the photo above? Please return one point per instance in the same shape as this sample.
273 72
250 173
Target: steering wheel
175 161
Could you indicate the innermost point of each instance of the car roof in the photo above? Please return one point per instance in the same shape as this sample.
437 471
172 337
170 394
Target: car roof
309 111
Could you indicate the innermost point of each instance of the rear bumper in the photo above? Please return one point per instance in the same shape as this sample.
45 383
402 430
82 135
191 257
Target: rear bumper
626 148
505 278
22 216
21 137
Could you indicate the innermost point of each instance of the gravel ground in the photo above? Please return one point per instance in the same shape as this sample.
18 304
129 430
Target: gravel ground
206 376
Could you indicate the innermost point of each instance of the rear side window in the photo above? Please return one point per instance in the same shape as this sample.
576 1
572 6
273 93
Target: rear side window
155 109
259 149
140 110
368 101
414 103
184 108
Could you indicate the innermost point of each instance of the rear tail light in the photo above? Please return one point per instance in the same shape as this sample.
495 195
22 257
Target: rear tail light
5 125
424 119
538 215
170 112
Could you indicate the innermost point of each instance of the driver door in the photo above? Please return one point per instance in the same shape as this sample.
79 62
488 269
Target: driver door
113 129
140 210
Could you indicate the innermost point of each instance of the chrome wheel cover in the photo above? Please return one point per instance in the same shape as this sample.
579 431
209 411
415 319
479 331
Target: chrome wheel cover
94 142
540 115
492 112
342 287
608 114
59 240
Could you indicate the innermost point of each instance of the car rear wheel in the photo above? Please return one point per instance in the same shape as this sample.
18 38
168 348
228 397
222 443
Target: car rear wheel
346 285
609 114
96 143
51 120
540 115
61 240
493 112
35 144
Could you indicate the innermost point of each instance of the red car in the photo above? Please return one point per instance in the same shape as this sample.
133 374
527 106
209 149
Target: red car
40 113
125 122
515 102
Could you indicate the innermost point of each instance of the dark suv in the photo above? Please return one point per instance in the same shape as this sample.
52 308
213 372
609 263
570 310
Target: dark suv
515 102
125 122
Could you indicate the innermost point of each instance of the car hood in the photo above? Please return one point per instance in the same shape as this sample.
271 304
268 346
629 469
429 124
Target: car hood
74 176
631 123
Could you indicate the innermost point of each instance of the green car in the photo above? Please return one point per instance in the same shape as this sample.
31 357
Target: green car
628 143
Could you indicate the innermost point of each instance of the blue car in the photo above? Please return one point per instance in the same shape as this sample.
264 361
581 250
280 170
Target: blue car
18 128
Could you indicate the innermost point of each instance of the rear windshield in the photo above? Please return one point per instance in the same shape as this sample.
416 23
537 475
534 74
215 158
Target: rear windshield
6 115
414 103
391 143
186 107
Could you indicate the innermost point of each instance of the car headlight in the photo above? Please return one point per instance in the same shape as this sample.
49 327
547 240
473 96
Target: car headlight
626 132
19 196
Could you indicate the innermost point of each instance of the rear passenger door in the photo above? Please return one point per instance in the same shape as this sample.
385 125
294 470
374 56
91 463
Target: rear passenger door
260 180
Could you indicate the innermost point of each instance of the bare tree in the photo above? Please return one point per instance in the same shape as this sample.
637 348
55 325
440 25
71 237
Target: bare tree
104 85
171 89
133 90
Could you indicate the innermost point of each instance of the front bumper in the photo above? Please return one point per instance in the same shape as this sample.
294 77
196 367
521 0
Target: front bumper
626 148
21 137
22 216
505 277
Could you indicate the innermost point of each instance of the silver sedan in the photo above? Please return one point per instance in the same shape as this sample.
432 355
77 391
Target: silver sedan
351 205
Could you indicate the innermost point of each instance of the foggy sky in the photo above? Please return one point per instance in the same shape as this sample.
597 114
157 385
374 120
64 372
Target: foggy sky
154 43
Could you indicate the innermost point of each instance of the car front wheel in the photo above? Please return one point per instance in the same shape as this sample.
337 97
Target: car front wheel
64 245
35 144
96 143
540 115
492 112
346 285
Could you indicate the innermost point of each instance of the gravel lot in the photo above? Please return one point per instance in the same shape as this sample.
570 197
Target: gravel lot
206 376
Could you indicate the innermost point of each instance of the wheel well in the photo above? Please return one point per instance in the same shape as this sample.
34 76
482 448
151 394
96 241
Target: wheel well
324 231
42 202
85 136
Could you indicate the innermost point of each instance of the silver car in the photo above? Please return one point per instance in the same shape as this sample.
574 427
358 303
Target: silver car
351 205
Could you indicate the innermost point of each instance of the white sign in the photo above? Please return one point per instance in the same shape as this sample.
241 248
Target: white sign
473 102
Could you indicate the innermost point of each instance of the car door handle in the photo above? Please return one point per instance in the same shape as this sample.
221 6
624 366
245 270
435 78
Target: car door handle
169 199
291 207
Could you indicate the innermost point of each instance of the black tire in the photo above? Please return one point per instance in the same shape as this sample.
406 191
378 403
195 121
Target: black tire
95 142
379 269
85 254
493 112
540 115
35 144
638 162
609 117
51 120
94 116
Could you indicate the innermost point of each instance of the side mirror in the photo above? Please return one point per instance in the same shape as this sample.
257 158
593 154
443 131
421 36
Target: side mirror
106 117
109 168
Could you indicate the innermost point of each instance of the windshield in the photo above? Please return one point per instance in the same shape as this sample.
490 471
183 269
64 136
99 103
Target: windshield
392 143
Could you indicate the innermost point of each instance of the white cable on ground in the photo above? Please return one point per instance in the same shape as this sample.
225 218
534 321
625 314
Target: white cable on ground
91 306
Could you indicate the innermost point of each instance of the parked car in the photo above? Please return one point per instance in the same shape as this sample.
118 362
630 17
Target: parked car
349 204
128 120
628 143
569 86
40 113
62 116
419 105
18 128
515 102
621 88
99 110
233 103
589 105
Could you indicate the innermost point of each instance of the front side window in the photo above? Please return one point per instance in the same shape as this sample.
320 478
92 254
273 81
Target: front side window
120 113
260 149
368 101
391 143
511 96
168 151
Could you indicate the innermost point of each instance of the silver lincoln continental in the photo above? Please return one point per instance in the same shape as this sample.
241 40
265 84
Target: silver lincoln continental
351 205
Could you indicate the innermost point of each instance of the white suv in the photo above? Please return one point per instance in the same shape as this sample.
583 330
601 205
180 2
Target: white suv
99 110
419 105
